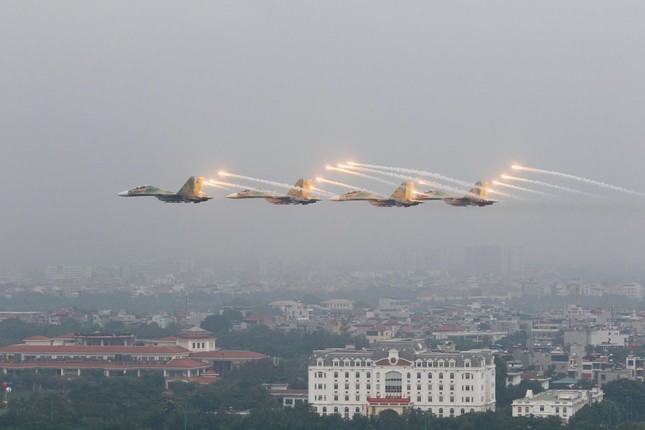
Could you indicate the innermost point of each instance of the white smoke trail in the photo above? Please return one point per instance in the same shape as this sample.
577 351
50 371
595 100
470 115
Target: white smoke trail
411 178
526 190
268 182
215 183
548 185
351 172
344 185
220 186
579 179
415 172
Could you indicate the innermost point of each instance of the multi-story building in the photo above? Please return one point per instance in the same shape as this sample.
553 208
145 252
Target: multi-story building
561 403
401 374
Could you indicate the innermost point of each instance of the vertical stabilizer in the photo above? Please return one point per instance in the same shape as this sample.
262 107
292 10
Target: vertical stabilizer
409 191
199 185
480 189
189 187
306 189
401 192
296 191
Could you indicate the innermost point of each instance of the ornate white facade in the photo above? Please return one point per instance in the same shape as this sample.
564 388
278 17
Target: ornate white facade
399 375
560 403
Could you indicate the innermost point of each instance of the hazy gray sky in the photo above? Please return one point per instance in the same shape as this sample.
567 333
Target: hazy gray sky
98 97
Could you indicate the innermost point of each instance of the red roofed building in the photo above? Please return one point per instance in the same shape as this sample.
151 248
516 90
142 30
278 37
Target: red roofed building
183 358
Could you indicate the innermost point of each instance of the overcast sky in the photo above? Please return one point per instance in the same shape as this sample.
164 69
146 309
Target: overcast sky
98 97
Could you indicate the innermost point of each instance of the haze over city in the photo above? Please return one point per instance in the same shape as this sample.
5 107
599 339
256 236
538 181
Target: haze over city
102 97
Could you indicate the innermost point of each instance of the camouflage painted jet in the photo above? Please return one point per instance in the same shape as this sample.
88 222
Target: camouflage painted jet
190 192
403 196
300 194
477 196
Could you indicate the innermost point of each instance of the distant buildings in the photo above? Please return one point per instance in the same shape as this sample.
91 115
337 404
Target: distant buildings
191 356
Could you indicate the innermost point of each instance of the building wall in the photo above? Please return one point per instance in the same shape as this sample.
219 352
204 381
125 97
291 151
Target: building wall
344 380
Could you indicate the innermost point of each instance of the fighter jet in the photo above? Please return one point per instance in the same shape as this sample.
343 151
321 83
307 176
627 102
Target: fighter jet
403 196
300 194
190 192
477 196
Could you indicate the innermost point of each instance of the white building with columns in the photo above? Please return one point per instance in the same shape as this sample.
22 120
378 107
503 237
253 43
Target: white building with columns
400 375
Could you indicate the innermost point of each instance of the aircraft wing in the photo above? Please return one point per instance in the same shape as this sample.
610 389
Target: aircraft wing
171 198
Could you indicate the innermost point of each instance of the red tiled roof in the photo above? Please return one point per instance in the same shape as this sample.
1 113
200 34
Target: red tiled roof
71 349
73 364
221 354
186 363
37 338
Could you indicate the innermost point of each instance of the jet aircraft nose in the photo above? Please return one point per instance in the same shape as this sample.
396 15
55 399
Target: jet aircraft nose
335 199
232 196
123 193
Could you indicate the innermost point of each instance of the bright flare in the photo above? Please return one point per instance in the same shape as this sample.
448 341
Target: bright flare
415 172
526 190
342 184
351 172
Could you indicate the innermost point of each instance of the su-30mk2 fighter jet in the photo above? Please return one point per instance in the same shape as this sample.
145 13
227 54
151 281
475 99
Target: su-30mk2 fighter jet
300 194
190 192
403 196
477 196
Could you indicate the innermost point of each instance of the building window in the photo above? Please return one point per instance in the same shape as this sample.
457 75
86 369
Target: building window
429 375
440 375
430 399
393 384
418 375
335 374
541 408
462 411
358 375
369 375
440 412
452 412
346 375
324 410
335 409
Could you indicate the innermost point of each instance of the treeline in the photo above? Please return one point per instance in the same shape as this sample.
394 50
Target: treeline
239 402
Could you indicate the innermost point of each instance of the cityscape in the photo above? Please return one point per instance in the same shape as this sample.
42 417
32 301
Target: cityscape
413 338
359 215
